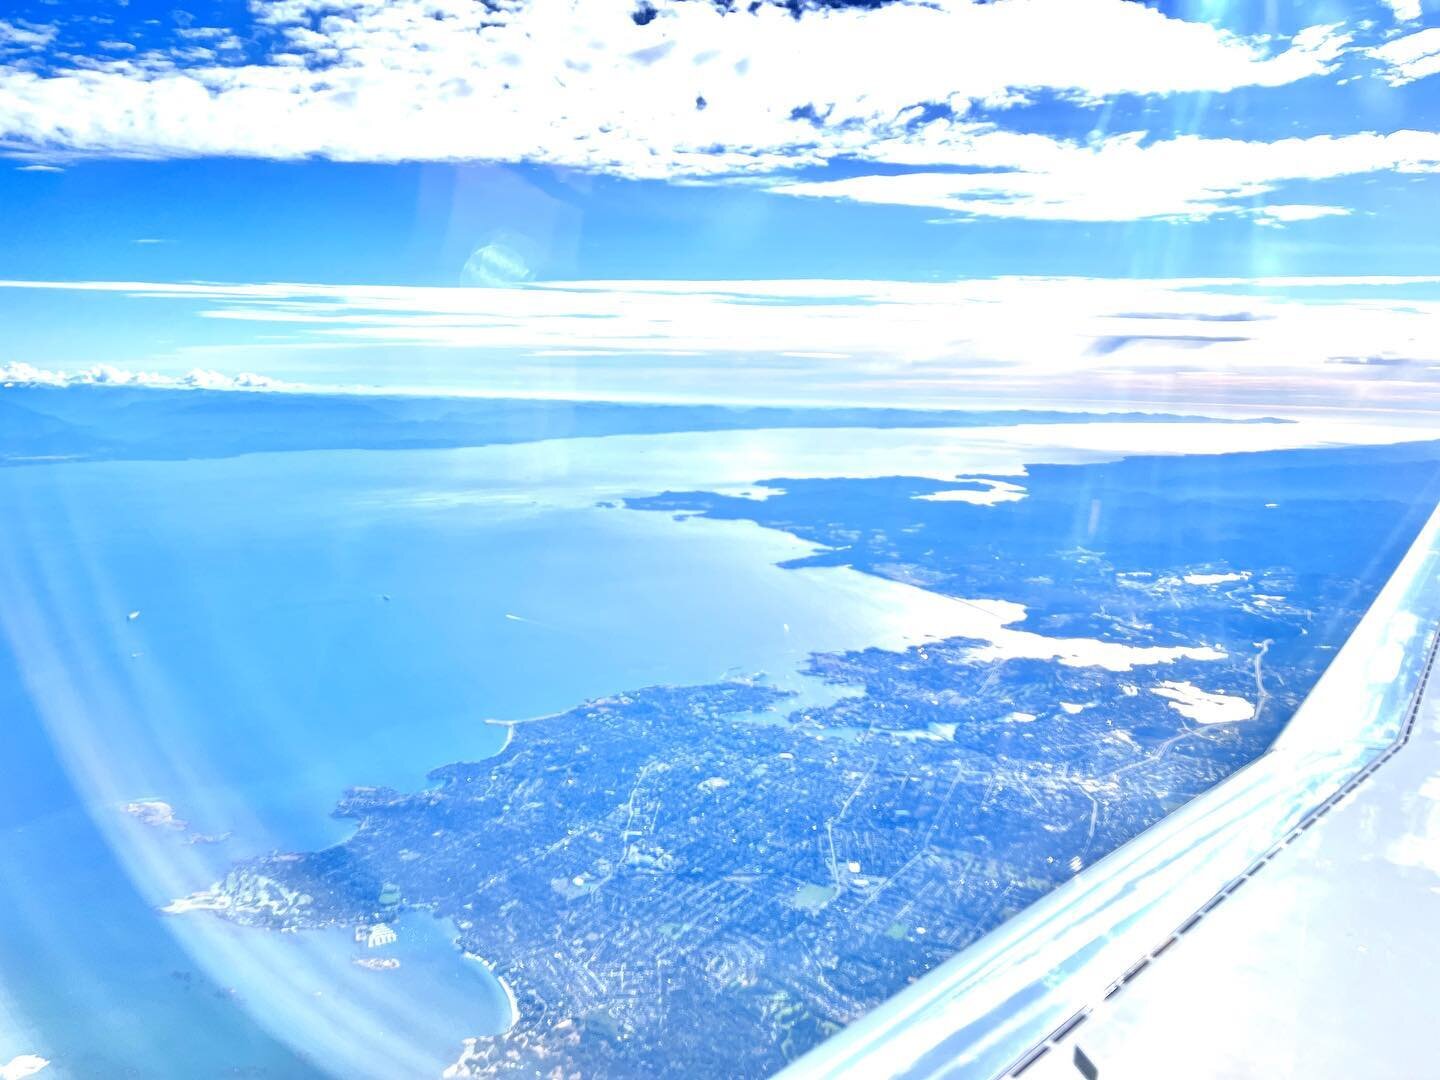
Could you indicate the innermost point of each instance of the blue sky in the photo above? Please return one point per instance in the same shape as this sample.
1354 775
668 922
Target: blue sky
449 145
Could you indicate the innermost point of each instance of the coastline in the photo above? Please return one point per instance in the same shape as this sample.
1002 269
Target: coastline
505 986
509 726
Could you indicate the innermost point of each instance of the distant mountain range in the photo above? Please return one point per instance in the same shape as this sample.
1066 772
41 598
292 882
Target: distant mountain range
41 423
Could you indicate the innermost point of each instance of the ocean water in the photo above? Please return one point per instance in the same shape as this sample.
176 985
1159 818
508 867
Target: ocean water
242 639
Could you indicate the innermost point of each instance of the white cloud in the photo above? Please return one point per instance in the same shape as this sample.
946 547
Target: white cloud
24 35
1411 57
1125 178
1405 10
581 83
21 1066
1283 213
107 375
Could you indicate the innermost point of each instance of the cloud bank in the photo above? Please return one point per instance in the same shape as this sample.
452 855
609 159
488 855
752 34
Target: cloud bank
1288 340
1125 177
691 91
